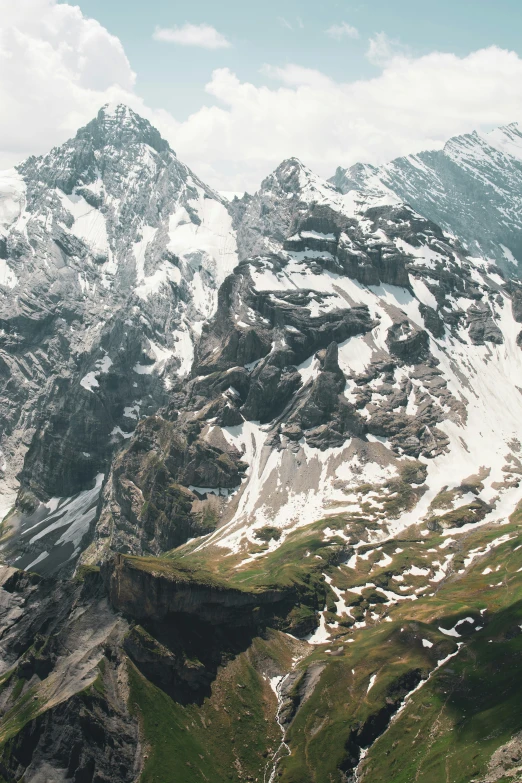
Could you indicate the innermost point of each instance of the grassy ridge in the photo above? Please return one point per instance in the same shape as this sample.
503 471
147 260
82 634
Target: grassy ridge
446 732
459 717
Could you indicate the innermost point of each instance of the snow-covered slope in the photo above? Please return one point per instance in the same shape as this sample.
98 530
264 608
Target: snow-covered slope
427 378
472 188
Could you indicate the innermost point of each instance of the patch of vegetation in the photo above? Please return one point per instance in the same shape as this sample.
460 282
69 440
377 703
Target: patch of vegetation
456 722
443 499
18 688
341 702
296 567
26 708
99 684
209 518
268 533
299 561
6 527
85 570
413 472
173 751
175 570
460 716
463 515
402 497
302 620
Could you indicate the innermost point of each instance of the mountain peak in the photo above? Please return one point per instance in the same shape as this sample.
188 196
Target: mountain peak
292 176
506 139
512 127
116 131
118 125
446 185
293 161
290 167
118 110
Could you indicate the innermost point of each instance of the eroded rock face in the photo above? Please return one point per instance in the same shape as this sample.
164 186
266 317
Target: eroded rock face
186 623
408 344
147 594
80 739
150 503
482 328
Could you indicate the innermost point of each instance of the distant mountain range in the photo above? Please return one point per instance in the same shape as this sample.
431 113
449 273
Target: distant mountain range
472 189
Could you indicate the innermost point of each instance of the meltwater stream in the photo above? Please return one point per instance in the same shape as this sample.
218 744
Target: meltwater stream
283 749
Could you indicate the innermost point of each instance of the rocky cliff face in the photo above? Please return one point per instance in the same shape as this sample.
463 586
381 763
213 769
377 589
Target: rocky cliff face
56 640
276 441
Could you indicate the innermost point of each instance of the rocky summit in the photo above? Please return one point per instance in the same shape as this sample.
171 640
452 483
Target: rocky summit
260 467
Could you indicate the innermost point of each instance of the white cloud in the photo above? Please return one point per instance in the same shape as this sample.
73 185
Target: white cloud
203 35
284 22
56 69
289 25
342 30
382 49
295 76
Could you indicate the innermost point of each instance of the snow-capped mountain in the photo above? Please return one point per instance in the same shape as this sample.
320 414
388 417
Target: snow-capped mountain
472 189
277 440
112 253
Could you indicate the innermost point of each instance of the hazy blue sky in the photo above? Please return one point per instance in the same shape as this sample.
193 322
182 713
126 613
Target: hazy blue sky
277 32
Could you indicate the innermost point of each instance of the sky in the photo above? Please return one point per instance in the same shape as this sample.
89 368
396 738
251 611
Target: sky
237 87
